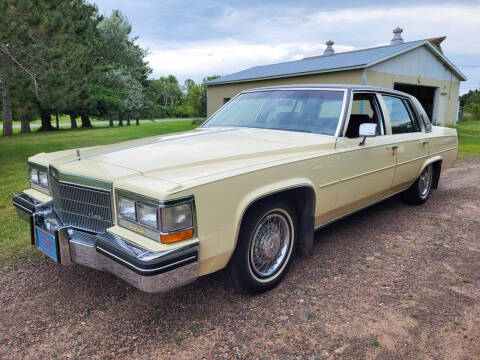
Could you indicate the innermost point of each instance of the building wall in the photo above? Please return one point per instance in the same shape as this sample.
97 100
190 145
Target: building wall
421 67
445 107
216 93
417 67
417 62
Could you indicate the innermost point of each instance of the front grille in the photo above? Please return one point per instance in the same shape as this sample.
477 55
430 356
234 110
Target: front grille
82 207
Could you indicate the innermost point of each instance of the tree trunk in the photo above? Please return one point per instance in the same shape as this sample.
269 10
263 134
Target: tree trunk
25 124
56 120
46 121
120 119
7 112
110 120
137 121
73 121
128 120
86 121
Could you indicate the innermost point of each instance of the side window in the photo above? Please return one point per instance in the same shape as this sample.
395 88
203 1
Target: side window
413 115
400 117
365 109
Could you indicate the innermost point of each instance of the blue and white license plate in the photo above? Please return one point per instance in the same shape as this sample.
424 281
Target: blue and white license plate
46 244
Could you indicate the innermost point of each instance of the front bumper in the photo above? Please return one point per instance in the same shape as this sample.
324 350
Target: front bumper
147 270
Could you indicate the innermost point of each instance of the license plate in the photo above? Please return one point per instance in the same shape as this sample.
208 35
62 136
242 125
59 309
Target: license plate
46 244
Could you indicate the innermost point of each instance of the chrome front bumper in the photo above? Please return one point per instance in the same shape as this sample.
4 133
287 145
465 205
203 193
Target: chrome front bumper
147 270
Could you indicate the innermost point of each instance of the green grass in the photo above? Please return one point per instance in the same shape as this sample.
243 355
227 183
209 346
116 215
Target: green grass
469 137
14 151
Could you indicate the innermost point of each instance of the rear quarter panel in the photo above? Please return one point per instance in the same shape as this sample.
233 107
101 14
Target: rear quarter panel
443 143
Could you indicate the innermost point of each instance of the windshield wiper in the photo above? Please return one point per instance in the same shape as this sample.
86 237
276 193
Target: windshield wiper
284 129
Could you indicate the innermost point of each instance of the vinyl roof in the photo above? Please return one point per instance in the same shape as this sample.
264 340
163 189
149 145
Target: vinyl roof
341 61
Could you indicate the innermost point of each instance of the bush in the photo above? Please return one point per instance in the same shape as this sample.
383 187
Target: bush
183 111
162 112
474 109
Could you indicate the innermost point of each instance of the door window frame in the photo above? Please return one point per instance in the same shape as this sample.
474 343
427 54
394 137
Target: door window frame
378 107
412 108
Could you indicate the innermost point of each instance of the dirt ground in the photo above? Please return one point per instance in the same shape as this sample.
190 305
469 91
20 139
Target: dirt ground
391 282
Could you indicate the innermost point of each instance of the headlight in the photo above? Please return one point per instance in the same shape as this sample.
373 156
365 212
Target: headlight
165 222
176 217
38 178
147 215
43 178
126 208
34 175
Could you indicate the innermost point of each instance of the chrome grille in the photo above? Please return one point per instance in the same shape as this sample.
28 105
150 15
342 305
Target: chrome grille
82 207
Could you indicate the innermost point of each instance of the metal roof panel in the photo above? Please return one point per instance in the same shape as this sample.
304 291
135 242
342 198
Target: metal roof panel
340 61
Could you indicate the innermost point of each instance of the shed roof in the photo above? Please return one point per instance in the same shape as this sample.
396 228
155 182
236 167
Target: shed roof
356 59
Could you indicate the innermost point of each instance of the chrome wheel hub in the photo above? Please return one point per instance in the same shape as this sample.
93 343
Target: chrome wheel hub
425 181
270 244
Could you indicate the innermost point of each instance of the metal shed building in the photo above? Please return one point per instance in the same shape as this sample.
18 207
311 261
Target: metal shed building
417 67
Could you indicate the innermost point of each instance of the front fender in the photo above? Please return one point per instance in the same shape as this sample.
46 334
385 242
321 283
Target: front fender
267 190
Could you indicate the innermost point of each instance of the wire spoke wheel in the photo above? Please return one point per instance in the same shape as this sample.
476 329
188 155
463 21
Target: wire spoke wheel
271 243
425 182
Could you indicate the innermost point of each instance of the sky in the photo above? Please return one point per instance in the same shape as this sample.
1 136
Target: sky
195 39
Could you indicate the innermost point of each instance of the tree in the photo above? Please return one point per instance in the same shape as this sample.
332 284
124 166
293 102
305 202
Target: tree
188 84
197 96
53 47
57 58
473 96
474 108
6 112
127 74
167 89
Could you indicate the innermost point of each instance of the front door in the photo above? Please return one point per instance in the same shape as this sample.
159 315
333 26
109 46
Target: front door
367 170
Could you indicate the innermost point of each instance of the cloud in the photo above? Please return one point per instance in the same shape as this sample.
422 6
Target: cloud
197 60
200 39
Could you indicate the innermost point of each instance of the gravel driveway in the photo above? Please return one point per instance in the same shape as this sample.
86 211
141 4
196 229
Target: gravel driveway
390 282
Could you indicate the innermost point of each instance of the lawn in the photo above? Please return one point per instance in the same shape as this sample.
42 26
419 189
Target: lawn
469 137
14 151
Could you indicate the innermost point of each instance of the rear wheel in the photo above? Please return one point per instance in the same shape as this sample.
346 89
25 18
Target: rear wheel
265 246
420 190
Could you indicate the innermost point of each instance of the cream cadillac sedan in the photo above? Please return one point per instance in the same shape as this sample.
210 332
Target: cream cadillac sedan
243 192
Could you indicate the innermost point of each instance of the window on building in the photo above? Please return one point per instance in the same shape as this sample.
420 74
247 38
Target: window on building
401 118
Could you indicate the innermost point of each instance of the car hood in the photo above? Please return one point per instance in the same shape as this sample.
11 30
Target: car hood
184 158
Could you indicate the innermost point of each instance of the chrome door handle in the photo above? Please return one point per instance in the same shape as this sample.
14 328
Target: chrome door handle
393 147
424 142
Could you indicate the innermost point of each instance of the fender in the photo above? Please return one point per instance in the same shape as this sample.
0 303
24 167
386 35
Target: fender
270 189
429 161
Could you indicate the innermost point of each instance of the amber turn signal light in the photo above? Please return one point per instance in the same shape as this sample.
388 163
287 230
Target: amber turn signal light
179 236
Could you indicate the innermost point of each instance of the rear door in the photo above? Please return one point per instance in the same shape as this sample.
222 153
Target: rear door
408 139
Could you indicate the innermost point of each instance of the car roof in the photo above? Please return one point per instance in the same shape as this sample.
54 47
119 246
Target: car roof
330 86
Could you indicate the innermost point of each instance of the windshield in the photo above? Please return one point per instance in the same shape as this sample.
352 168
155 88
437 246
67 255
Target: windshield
312 111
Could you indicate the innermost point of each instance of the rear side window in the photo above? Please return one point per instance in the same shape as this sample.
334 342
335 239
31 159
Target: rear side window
413 115
401 118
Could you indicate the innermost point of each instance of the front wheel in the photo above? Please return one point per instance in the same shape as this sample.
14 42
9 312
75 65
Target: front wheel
265 246
418 193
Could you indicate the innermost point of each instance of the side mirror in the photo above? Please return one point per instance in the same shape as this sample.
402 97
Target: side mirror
367 130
